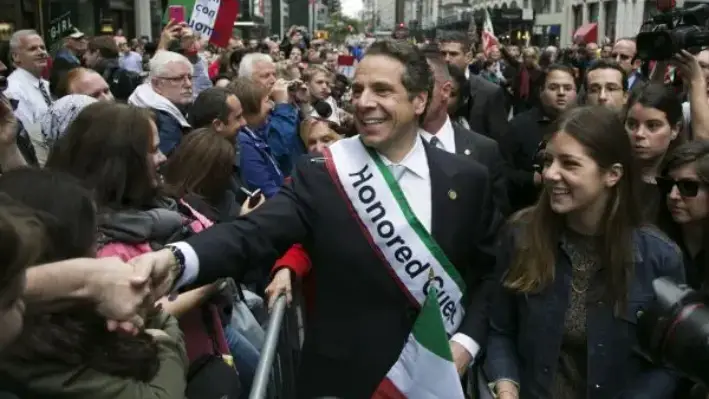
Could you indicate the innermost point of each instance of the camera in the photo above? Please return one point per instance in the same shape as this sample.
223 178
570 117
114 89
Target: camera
667 33
675 330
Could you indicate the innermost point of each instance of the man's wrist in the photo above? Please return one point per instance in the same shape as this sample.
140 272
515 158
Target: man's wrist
177 264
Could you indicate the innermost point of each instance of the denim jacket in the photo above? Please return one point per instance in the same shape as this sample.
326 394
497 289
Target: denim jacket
526 331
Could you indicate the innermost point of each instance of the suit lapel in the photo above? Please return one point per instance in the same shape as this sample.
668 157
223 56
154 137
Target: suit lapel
443 199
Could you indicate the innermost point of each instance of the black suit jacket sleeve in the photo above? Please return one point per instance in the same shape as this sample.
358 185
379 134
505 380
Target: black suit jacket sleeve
498 172
475 322
496 110
259 238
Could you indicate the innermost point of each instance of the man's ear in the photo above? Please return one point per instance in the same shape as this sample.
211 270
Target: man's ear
217 125
420 102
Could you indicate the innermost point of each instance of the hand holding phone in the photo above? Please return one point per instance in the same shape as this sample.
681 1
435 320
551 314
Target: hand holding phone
254 200
176 13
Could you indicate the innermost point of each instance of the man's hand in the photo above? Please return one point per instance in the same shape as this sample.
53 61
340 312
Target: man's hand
279 93
170 32
161 267
461 357
281 284
119 291
689 66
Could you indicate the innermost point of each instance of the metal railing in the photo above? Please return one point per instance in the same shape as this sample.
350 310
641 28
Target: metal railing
275 373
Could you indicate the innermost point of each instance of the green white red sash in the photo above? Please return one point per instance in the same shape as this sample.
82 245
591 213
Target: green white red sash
418 265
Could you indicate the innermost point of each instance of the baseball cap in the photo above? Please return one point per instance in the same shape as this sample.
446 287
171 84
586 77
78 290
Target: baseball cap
74 33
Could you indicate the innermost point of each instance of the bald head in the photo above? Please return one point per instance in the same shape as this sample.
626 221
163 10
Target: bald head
90 83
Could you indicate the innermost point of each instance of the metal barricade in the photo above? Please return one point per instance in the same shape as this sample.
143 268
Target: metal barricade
275 373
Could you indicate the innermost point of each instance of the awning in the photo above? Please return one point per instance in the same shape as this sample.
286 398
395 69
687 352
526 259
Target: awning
587 33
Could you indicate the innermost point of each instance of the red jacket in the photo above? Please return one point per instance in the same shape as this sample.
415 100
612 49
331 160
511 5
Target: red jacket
297 260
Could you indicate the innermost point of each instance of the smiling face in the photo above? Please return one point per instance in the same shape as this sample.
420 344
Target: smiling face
385 112
575 184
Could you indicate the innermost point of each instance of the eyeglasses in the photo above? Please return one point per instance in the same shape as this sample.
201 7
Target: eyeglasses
687 188
178 79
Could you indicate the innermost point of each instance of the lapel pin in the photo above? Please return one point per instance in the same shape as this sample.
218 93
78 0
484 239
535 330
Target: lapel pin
452 194
466 152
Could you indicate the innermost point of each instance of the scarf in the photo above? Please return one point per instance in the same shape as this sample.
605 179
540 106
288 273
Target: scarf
145 97
60 114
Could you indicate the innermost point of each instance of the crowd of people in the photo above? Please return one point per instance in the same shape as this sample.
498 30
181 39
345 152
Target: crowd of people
156 199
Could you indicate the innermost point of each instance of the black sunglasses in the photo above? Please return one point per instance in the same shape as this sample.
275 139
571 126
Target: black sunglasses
687 188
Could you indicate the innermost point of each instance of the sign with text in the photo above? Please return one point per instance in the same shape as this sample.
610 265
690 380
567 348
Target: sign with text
214 19
58 26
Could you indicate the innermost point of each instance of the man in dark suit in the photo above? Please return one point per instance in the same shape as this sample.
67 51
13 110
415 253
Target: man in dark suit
363 314
487 103
441 132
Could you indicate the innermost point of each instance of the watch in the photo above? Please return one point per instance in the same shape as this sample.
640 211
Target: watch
179 266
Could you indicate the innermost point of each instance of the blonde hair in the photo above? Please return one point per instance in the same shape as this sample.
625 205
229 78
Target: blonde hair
284 71
313 69
307 126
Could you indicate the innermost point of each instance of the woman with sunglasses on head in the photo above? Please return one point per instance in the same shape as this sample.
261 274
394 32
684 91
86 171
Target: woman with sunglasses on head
575 271
685 216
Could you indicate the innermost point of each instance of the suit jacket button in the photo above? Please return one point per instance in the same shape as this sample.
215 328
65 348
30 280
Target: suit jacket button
546 370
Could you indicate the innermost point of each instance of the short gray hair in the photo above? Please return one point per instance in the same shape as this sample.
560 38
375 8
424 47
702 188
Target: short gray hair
246 66
161 59
16 38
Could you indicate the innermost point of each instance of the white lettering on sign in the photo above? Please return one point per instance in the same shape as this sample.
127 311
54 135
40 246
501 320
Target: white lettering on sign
204 15
59 25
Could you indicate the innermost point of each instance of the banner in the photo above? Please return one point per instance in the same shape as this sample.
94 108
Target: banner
213 19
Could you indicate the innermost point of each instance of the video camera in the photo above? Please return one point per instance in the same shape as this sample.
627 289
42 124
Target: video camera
671 31
675 331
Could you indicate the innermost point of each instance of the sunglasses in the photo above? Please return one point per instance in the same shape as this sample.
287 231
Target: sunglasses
686 187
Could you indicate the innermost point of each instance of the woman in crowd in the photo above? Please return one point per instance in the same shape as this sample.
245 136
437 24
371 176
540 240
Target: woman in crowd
74 344
200 173
259 169
317 134
685 214
114 150
576 271
654 122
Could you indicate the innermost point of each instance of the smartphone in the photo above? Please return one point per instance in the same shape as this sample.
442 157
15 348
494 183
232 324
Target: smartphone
176 13
254 198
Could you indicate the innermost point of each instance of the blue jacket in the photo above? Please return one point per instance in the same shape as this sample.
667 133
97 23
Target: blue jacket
259 168
169 130
281 133
526 330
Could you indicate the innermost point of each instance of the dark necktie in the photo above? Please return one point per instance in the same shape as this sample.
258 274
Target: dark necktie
45 93
435 142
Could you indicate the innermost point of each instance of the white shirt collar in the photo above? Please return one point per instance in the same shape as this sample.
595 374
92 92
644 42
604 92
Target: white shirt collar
26 77
415 161
445 134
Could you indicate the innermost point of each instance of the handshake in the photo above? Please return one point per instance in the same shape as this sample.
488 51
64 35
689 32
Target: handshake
119 291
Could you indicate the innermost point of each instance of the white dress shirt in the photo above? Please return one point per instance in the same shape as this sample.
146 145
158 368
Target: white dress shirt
415 182
25 88
445 136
